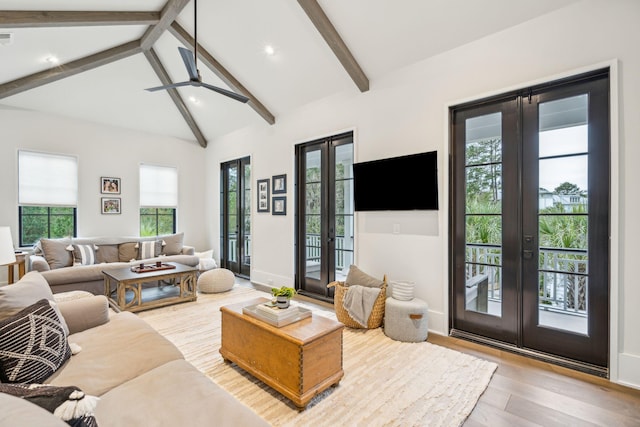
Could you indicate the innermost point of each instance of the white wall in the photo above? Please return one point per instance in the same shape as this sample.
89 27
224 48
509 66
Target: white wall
102 151
406 112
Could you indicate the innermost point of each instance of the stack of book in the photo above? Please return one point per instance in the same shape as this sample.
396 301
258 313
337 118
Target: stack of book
275 316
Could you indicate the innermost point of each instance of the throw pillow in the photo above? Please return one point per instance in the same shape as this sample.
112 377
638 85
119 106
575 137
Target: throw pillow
359 277
67 403
172 244
33 345
30 289
149 249
127 251
107 253
56 254
83 254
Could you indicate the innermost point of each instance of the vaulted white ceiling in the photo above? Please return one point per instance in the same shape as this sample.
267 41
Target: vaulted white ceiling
382 36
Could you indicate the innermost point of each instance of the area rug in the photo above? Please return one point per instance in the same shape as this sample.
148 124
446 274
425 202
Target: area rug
386 382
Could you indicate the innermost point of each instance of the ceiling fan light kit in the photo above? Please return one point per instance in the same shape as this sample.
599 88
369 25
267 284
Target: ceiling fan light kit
190 60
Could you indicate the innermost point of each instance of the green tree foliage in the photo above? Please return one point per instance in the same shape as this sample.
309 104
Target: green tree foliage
43 221
567 188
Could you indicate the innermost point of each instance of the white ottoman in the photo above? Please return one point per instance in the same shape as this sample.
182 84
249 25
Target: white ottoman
216 280
406 320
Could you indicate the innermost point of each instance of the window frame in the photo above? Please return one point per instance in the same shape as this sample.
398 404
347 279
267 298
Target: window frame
157 217
21 216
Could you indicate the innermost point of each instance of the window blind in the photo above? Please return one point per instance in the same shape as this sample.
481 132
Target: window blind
47 179
158 186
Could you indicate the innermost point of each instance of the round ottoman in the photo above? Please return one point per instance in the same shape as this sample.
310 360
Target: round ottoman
216 280
406 320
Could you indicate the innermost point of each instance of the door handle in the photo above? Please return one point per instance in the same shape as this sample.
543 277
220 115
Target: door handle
527 254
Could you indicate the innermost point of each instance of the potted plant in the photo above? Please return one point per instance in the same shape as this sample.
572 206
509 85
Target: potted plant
282 296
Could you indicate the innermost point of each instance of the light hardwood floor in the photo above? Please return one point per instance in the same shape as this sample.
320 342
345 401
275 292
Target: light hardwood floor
525 392
528 392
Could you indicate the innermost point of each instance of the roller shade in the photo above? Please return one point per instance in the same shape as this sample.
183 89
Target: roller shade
47 179
158 186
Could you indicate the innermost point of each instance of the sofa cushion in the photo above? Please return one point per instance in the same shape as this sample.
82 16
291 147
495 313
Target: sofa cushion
19 412
203 403
33 344
149 249
107 253
172 244
114 353
127 251
56 253
83 254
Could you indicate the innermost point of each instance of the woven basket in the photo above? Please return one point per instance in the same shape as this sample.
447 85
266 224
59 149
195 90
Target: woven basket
377 313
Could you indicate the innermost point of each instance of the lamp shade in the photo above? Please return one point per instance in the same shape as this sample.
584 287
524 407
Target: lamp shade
7 253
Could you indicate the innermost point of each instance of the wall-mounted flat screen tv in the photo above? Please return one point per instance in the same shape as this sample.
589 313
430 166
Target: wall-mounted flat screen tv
397 184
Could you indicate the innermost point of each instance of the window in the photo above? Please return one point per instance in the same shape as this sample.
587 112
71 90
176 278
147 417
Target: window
158 199
47 196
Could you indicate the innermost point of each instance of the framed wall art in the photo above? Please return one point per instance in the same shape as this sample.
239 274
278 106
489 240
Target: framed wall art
263 195
109 185
279 184
279 205
110 205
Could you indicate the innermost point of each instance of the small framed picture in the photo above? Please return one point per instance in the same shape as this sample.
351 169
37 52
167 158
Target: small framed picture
279 205
110 205
263 195
109 185
279 184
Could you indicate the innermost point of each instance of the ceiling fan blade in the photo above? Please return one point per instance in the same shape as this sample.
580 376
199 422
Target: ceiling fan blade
189 63
225 92
171 86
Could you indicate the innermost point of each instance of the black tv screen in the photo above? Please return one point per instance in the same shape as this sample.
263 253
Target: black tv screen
397 184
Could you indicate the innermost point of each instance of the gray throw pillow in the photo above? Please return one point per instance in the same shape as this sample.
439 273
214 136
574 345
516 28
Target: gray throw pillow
127 251
360 278
31 288
56 253
107 253
172 244
33 344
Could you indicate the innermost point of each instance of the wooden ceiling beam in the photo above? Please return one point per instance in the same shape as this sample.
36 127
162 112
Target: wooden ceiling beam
335 42
218 69
159 69
169 13
39 19
69 69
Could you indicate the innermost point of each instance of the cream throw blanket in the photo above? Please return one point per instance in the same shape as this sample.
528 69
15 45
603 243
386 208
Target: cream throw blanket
358 301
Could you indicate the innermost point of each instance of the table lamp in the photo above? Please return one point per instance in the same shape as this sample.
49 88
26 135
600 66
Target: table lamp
7 252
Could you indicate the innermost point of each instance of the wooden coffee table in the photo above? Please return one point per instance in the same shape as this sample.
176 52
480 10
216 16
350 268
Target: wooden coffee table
299 360
127 280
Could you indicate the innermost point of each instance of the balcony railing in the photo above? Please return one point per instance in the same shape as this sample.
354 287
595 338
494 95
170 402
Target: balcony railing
562 276
314 250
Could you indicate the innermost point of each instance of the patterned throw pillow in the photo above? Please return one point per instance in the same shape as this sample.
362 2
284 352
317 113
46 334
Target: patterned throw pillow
149 249
83 254
68 403
33 344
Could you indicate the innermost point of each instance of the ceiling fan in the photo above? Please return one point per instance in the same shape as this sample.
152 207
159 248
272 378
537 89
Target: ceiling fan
190 62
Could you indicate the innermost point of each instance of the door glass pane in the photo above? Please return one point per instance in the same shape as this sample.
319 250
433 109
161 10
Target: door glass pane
563 214
483 207
246 213
232 209
343 210
313 211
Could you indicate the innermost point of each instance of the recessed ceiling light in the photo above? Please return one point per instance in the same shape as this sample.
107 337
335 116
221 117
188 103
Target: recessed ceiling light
52 59
194 100
269 50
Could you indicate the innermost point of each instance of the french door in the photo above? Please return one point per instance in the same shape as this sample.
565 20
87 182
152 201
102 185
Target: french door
324 214
530 221
235 216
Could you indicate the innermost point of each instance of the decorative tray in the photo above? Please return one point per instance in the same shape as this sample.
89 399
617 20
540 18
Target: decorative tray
147 268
